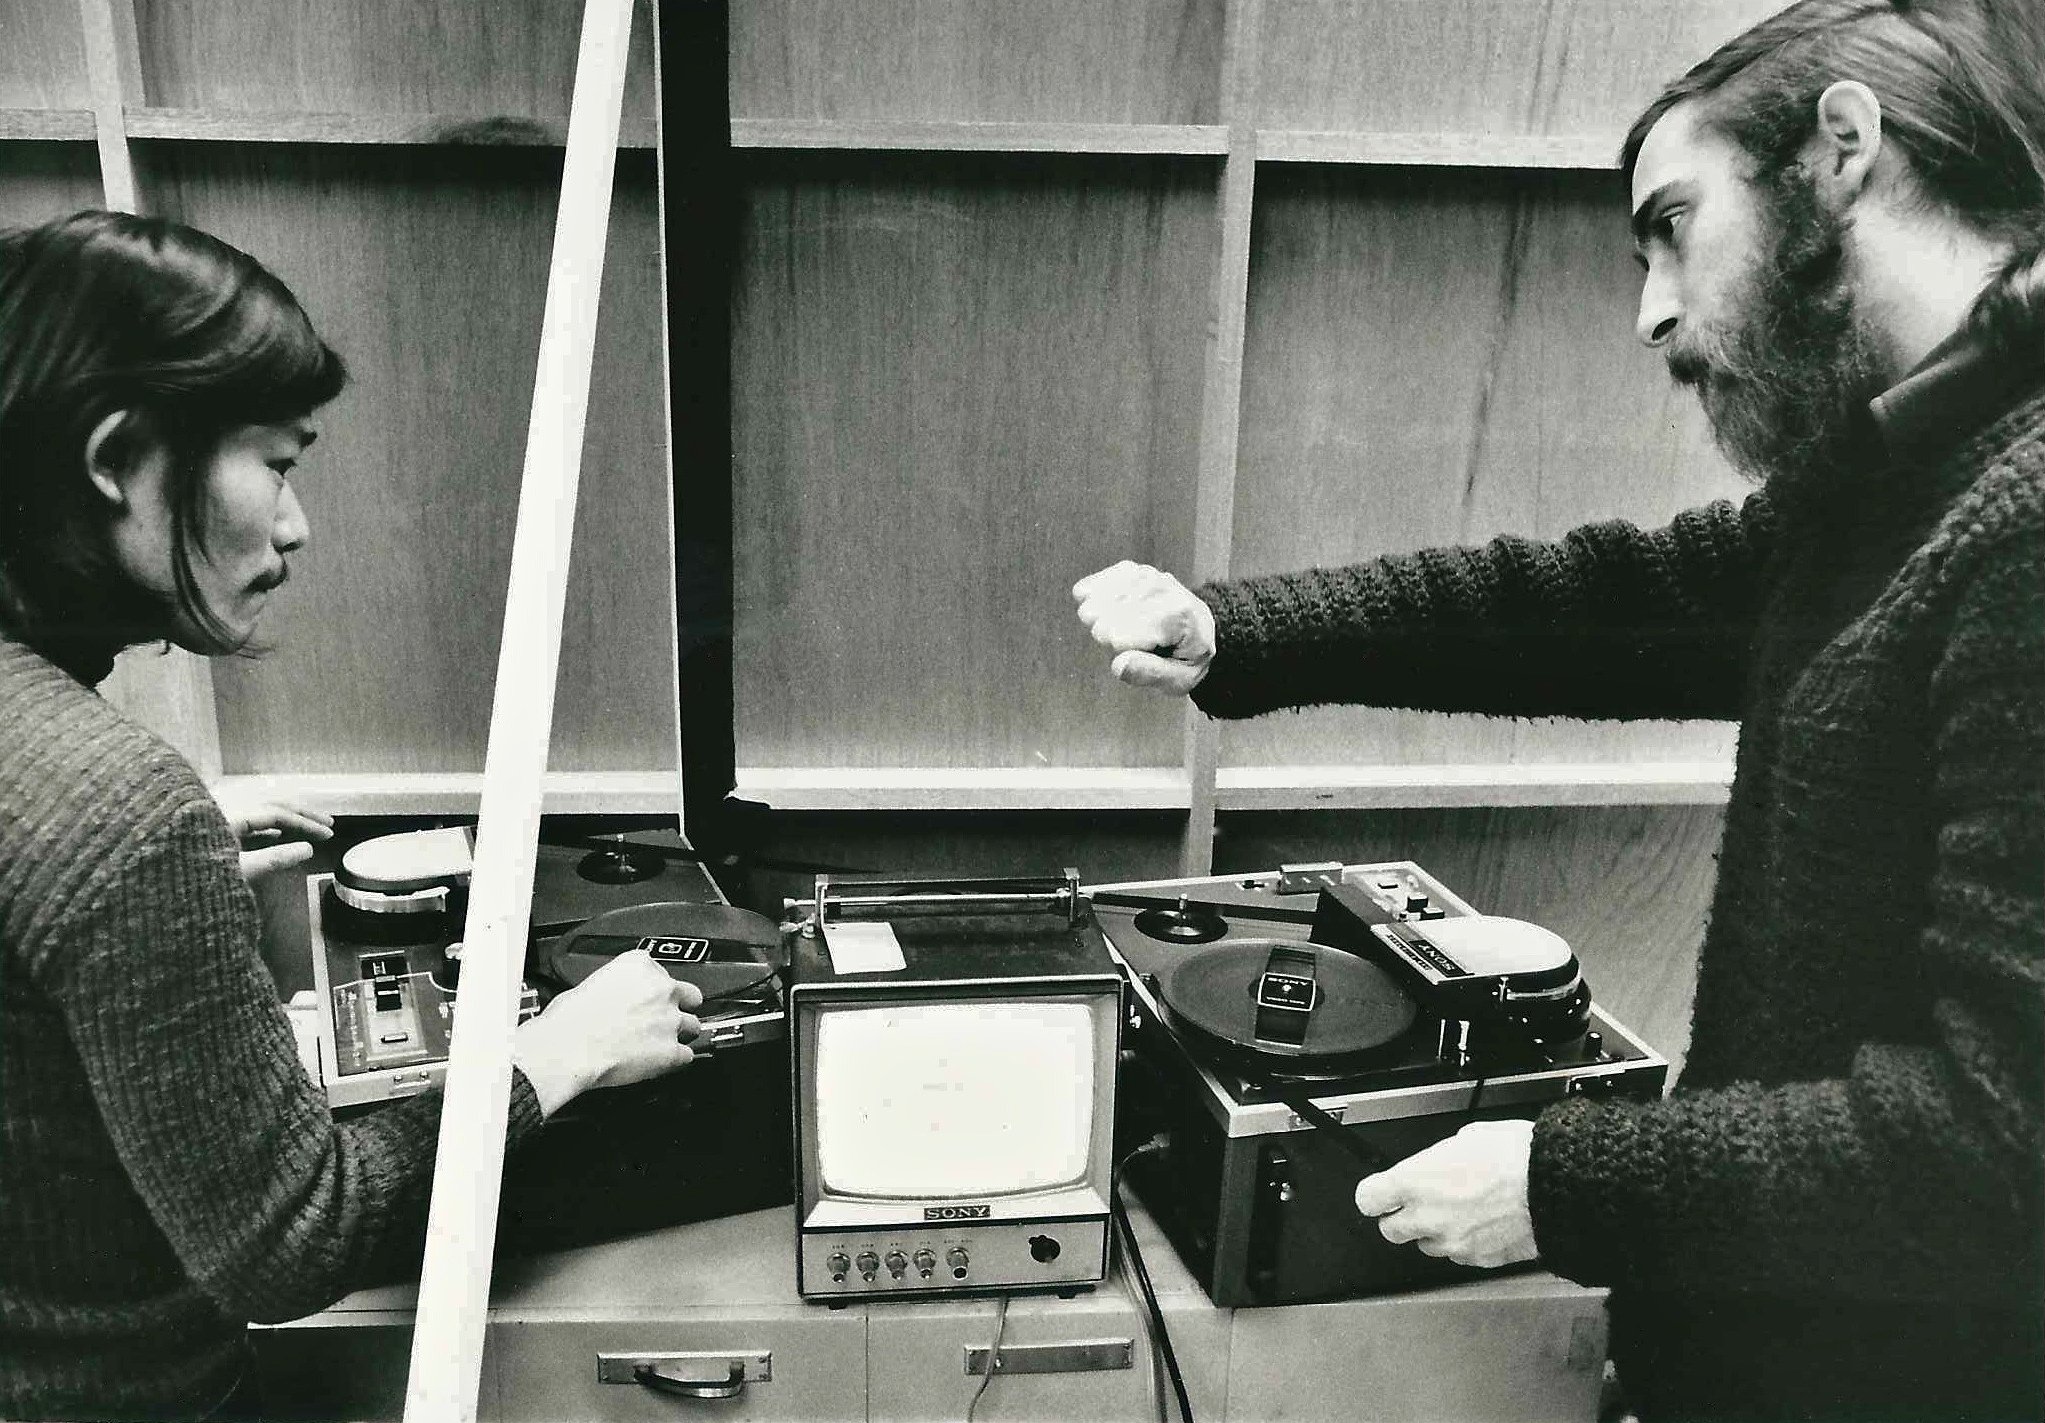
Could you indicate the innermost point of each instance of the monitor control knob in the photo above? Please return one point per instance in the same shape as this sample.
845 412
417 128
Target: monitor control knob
868 1263
926 1262
897 1262
1044 1248
838 1265
956 1258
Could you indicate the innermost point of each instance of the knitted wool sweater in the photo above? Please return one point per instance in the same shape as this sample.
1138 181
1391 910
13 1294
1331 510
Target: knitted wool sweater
167 1169
1837 1212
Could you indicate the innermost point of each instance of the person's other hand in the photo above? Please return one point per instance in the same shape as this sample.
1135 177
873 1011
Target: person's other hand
626 1022
273 835
1462 1199
1161 634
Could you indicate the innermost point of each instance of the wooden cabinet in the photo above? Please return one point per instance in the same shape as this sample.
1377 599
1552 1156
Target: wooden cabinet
1520 1348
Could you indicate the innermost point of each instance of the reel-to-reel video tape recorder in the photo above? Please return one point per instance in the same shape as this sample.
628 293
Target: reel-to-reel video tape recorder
1291 1032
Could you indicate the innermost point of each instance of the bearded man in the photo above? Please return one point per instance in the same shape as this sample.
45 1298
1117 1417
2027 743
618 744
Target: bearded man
1837 1212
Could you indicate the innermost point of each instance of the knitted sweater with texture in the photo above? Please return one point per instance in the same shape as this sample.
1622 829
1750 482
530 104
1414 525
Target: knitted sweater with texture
1837 1213
167 1170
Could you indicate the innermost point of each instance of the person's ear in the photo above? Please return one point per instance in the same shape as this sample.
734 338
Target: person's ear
1847 142
110 456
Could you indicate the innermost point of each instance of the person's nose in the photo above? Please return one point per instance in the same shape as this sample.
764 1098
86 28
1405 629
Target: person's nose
1660 311
292 530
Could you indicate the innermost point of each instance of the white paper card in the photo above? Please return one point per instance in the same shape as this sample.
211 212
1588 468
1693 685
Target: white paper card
864 948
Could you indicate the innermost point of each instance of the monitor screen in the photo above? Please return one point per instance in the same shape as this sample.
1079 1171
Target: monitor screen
960 1099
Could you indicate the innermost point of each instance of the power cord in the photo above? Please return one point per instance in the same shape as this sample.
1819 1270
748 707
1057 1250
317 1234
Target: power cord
993 1355
1160 1335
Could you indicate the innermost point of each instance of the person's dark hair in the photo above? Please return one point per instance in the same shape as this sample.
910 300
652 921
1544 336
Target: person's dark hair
1962 88
103 312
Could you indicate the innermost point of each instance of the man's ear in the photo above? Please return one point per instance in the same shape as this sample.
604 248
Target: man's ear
1847 142
110 456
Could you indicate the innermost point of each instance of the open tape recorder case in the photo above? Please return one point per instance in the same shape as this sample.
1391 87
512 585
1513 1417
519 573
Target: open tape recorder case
1293 1031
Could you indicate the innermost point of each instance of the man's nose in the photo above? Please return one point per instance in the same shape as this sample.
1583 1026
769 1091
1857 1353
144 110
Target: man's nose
1660 312
292 530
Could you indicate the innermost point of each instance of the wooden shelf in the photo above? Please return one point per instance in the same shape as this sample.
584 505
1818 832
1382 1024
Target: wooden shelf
459 792
1428 787
966 788
46 124
951 137
226 126
1595 152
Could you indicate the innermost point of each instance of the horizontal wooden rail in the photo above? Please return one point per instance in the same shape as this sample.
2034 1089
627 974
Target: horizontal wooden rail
1593 152
1414 787
958 137
45 124
460 792
468 130
967 788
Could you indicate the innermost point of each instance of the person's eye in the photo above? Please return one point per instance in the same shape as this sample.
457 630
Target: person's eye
1670 223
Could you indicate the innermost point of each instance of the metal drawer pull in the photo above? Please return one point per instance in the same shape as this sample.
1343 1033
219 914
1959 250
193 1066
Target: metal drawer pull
711 1375
1086 1356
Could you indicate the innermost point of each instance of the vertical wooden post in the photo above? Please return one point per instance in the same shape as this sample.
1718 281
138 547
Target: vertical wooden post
454 1286
1221 394
170 693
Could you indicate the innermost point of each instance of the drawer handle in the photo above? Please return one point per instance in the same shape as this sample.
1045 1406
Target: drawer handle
730 1386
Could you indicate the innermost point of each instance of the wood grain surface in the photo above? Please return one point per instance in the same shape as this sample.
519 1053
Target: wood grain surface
426 269
1483 66
374 56
960 386
1437 356
1119 61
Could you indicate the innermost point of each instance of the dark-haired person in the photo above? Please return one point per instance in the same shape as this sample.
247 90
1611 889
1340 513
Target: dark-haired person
167 1170
1837 1213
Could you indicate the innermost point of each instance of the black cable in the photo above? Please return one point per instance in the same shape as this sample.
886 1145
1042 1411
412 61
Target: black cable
1160 1335
752 985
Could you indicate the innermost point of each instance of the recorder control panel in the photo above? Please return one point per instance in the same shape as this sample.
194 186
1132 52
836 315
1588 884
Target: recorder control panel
953 1258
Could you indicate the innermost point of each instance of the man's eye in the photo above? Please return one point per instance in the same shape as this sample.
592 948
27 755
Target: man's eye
1665 226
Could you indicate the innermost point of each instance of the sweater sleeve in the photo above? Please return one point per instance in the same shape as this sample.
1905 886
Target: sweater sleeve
1610 621
274 1209
1920 1173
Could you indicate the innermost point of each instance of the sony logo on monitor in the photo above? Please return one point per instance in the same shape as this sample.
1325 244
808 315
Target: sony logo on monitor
956 1212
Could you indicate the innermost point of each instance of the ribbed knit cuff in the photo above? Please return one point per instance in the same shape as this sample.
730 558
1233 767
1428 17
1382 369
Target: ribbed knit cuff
524 1119
1575 1180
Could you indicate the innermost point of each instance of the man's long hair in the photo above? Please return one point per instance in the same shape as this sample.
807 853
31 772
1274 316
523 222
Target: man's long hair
191 338
1962 88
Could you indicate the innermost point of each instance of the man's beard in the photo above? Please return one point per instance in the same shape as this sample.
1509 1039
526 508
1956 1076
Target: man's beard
1787 382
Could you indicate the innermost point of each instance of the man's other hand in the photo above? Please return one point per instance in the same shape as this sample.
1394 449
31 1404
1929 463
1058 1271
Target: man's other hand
1161 634
273 835
1462 1199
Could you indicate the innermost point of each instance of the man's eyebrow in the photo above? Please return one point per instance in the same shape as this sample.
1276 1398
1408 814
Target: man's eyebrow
1650 206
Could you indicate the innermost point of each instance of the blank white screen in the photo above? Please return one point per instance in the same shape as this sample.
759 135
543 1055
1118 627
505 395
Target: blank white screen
953 1099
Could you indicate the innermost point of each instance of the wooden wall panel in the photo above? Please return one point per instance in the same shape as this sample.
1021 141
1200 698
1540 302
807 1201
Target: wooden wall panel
959 386
426 268
1070 61
1487 66
1627 886
40 181
1437 356
373 56
42 56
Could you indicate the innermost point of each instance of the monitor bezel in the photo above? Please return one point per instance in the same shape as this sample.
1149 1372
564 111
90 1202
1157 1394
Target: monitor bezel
807 1003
